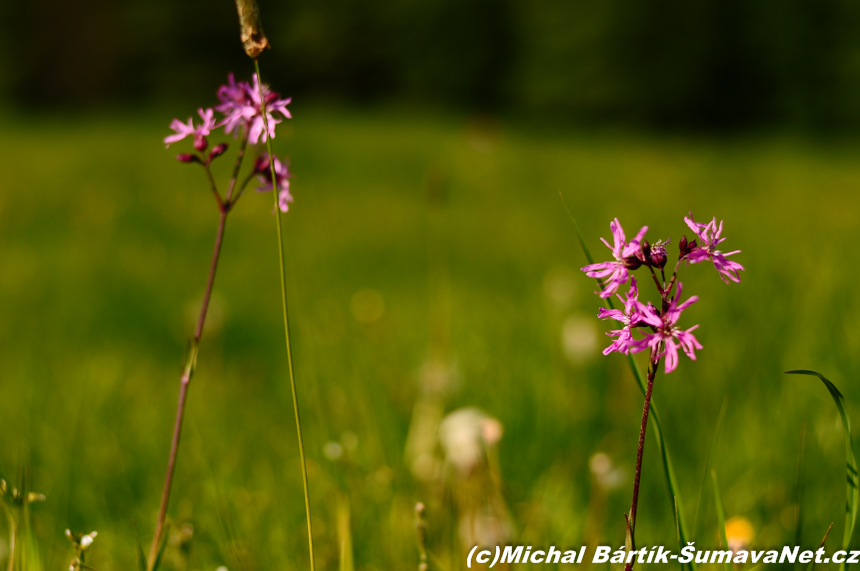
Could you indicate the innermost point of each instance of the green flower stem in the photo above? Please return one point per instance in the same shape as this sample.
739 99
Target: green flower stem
12 533
224 206
286 318
187 374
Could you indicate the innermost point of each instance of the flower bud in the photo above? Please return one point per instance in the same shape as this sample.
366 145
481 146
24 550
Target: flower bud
632 262
217 151
646 249
686 247
261 165
658 256
188 158
200 143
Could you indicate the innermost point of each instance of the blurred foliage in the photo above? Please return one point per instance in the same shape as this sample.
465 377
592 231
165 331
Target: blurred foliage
105 247
712 64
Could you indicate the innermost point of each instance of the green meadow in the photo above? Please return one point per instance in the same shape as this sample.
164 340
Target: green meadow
416 240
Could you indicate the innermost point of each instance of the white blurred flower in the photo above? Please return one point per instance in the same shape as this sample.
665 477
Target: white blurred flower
607 475
87 540
465 433
578 338
333 451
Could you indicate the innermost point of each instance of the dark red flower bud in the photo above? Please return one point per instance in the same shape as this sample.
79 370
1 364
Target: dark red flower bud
200 143
261 165
686 247
646 250
658 255
217 151
632 262
187 158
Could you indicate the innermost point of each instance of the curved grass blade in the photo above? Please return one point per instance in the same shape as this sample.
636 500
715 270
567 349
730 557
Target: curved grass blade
141 558
799 486
668 470
720 418
850 460
823 541
721 516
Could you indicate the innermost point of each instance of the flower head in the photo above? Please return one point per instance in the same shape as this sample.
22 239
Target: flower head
666 331
242 107
282 177
629 317
199 132
709 234
627 256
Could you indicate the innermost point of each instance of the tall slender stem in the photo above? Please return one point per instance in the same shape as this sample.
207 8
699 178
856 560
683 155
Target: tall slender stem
286 318
652 372
188 372
12 533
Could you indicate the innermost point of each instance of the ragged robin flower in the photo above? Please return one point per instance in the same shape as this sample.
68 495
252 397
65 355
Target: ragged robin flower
629 317
709 234
627 257
666 331
200 132
242 107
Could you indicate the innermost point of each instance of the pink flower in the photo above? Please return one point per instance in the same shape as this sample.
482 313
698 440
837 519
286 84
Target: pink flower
626 257
709 234
282 178
242 107
200 132
666 331
629 317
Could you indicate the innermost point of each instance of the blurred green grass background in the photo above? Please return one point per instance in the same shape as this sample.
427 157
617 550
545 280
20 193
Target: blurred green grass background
104 248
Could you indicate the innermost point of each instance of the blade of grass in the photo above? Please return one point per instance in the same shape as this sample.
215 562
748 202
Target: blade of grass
850 460
720 417
141 558
284 307
157 561
821 545
668 470
798 487
721 516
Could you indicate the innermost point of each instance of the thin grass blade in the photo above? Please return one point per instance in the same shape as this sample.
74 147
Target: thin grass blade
850 460
823 541
720 417
157 562
799 485
141 558
721 516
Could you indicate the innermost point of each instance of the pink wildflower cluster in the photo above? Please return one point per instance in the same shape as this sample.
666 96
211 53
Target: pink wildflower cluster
241 108
241 111
658 326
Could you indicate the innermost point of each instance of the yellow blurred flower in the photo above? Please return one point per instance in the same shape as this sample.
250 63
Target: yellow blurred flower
739 533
